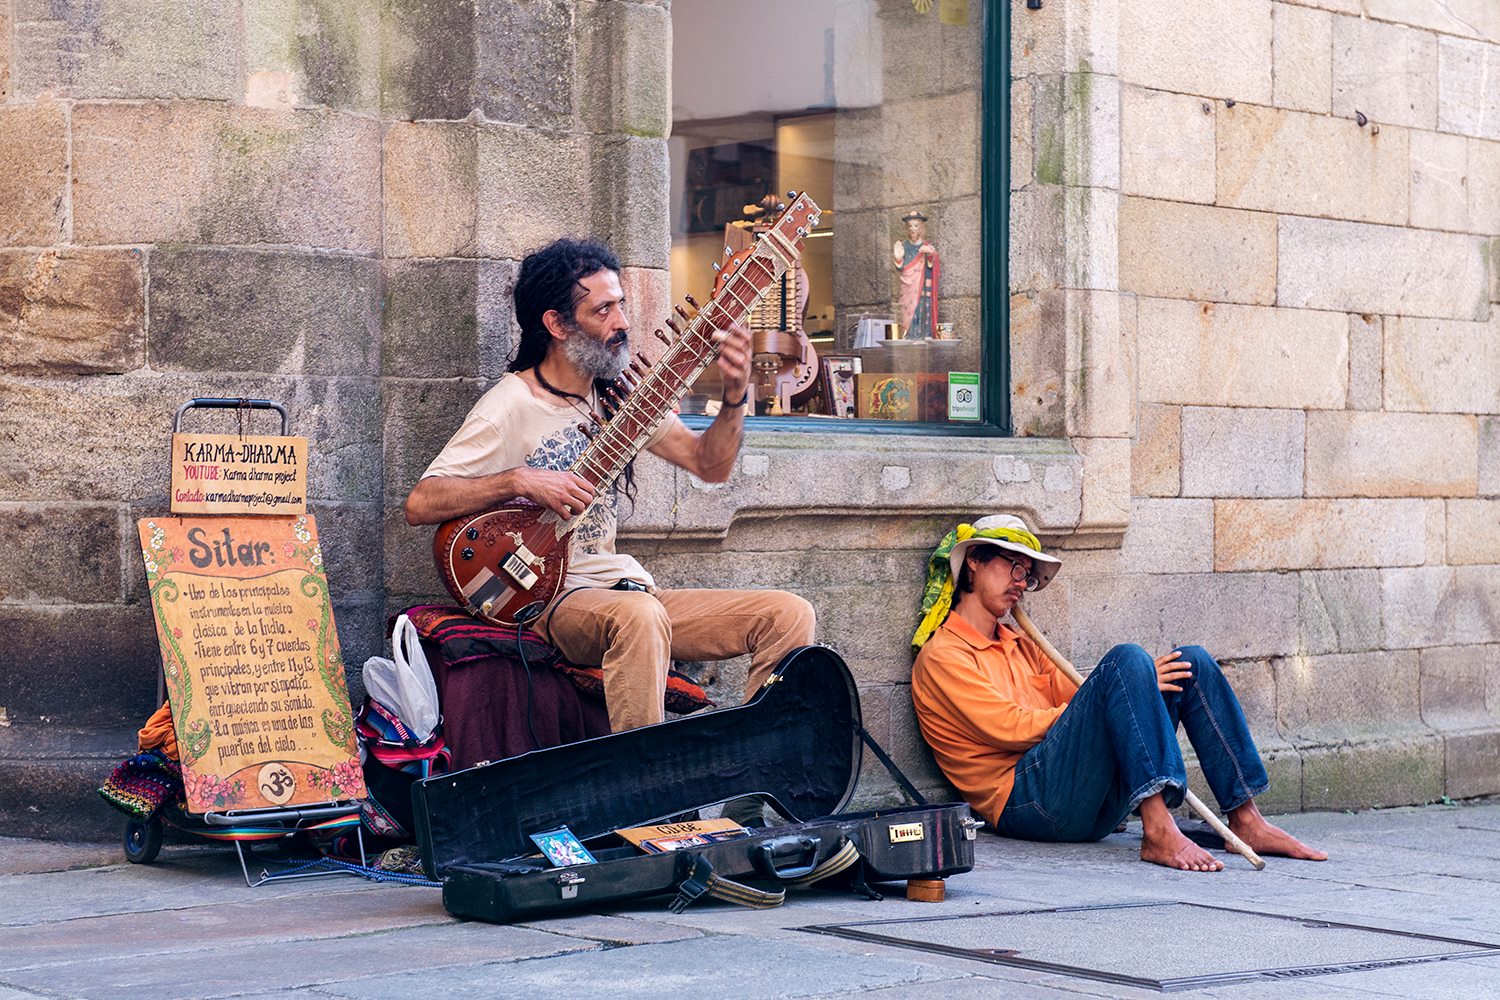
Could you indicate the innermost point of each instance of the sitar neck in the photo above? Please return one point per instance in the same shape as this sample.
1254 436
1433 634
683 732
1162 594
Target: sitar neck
664 384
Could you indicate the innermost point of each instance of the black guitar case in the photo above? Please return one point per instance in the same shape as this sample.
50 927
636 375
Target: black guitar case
798 743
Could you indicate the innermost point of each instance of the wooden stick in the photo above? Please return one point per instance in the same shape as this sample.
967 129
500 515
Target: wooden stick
1194 803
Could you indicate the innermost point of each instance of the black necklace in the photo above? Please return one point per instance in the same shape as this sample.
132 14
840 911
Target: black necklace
541 380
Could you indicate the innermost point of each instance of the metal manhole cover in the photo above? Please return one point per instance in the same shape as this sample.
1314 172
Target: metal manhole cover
1162 946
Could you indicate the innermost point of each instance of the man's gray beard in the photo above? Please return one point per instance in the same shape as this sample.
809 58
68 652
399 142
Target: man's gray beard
594 359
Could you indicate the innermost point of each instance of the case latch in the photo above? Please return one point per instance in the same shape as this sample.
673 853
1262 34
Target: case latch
568 883
971 827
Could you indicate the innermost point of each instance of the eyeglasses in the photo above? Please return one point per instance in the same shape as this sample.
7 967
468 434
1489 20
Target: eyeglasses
1018 572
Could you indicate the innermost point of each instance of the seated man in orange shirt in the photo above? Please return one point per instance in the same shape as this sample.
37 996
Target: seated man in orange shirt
1042 759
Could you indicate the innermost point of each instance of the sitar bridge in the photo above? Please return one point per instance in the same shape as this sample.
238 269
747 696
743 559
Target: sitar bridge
517 566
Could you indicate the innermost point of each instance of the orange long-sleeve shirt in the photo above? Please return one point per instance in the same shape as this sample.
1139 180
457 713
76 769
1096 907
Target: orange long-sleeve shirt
983 703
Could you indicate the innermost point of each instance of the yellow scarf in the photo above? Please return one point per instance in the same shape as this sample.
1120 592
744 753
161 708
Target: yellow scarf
937 597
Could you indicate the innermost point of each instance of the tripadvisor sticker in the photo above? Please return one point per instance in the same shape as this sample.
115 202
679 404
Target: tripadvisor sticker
963 395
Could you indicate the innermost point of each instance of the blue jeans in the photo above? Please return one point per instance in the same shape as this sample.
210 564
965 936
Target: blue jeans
1116 745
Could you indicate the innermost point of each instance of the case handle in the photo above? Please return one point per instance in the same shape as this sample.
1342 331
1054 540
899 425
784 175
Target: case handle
701 881
804 848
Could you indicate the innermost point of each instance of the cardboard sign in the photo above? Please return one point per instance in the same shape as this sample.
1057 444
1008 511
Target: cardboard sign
235 474
252 662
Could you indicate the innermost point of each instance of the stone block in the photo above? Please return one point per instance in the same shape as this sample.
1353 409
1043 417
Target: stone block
1235 616
1169 536
198 172
1287 161
1228 355
1489 456
33 171
1241 452
430 319
1317 534
61 554
855 277
648 302
629 212
1391 454
72 312
1349 696
523 72
1366 362
419 416
408 571
1105 505
1100 389
1439 181
1166 145
1468 102
352 562
1091 128
77 666
905 742
625 61
5 60
1303 50
1473 532
427 59
1457 683
1339 611
1388 72
218 310
1091 234
1468 18
1223 50
301 53
1355 267
1180 251
1365 775
126 49
1471 764
1036 241
1442 366
1440 606
1038 45
431 188
1483 177
1435 527
498 333
341 420
1156 458
1038 352
531 188
1022 140
955 230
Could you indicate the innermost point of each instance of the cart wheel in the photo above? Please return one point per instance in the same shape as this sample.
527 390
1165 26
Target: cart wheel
142 840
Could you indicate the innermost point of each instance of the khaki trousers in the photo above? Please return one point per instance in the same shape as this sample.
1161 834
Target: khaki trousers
634 636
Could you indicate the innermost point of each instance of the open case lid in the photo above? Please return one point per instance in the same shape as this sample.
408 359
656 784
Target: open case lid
797 740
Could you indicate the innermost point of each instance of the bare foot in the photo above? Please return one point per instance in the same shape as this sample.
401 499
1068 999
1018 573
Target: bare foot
1264 838
1170 849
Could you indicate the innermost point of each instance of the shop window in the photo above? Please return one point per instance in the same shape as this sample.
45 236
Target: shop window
876 109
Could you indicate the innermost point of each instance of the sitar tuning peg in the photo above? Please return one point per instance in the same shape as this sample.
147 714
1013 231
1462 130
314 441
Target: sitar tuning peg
792 195
663 337
716 267
673 324
691 301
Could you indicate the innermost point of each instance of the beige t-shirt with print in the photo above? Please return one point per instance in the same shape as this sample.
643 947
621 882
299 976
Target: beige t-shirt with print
510 427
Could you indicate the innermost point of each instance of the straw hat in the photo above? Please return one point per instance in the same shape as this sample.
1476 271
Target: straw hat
1044 566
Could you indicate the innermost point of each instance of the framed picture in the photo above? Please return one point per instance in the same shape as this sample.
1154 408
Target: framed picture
839 374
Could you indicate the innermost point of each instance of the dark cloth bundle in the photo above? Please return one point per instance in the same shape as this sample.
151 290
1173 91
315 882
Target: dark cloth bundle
143 784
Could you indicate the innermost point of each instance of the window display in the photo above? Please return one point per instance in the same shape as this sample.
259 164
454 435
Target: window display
874 108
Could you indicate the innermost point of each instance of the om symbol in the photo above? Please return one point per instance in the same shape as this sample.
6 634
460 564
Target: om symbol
276 783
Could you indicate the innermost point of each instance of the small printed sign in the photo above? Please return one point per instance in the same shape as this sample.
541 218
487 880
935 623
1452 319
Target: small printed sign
234 474
963 395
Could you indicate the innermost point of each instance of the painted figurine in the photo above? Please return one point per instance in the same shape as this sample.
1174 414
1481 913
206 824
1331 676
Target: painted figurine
917 260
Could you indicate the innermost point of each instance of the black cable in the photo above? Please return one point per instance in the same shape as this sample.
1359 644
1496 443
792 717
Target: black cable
530 726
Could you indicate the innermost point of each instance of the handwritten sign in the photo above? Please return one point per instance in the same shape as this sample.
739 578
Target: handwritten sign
233 474
254 674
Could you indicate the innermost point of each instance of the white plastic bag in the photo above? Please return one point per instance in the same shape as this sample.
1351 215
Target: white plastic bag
405 685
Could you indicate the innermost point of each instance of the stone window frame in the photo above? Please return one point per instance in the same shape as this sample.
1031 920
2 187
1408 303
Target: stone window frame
1065 462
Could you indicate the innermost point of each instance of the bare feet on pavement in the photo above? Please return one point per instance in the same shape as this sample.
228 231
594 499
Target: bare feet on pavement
1173 850
1249 825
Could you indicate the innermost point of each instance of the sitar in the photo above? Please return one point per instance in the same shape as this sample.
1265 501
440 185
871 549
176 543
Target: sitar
507 564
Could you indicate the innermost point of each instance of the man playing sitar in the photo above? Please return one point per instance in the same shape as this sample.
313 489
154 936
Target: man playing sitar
524 443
